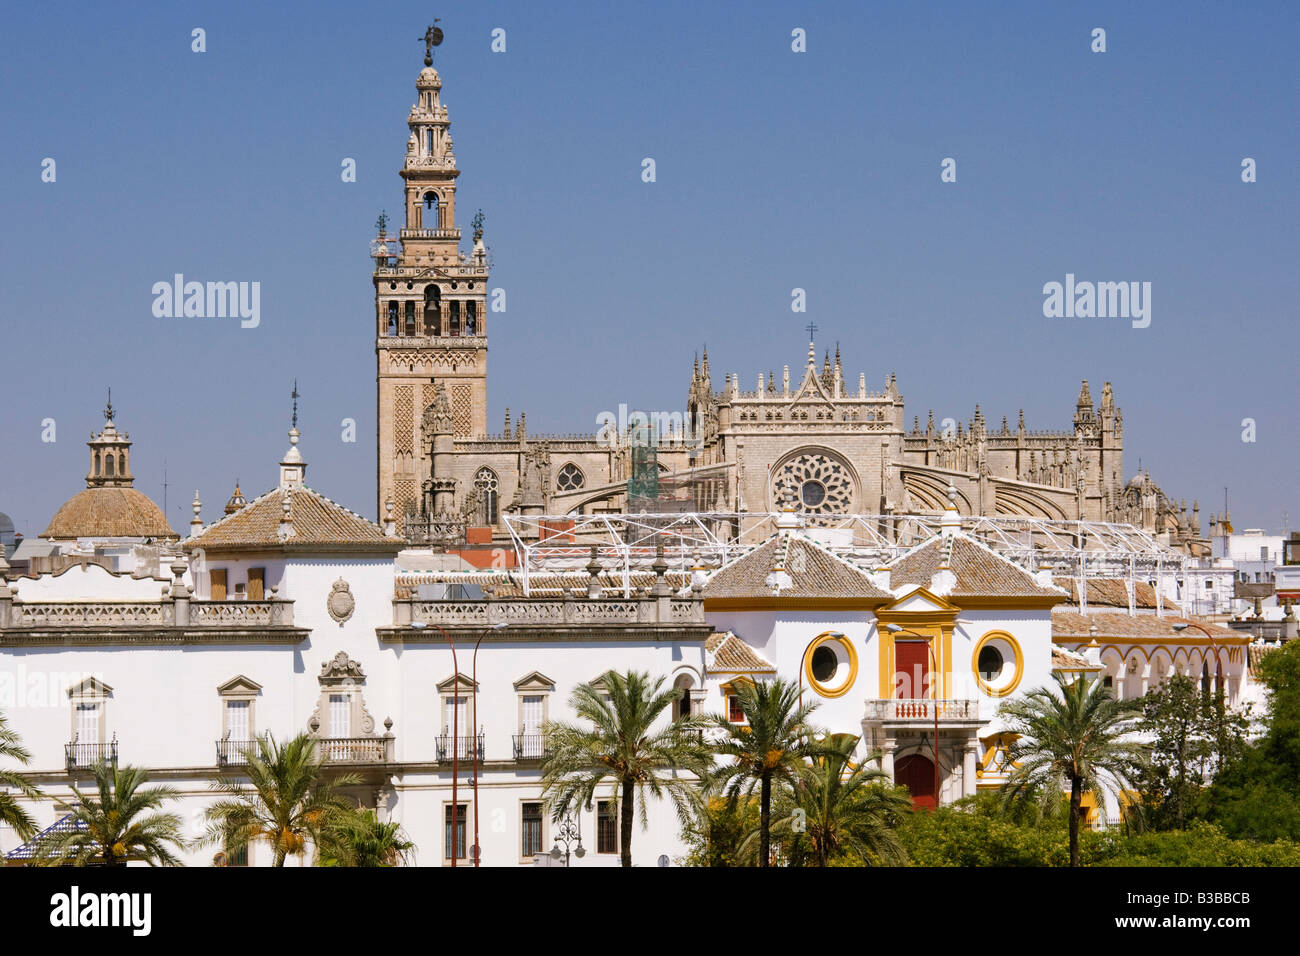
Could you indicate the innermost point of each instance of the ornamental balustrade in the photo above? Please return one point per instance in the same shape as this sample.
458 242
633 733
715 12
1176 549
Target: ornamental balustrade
921 709
355 749
549 612
167 612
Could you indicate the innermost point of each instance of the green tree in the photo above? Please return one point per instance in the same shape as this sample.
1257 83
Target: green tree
1256 795
11 813
358 838
838 811
771 746
119 823
715 835
287 802
1074 737
623 746
1191 734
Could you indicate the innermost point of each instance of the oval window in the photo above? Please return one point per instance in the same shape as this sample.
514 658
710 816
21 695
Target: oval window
824 664
991 662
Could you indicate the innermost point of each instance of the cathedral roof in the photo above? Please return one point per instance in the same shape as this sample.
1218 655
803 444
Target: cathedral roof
789 567
294 518
980 571
109 512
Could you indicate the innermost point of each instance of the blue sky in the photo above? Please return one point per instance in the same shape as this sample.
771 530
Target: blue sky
775 170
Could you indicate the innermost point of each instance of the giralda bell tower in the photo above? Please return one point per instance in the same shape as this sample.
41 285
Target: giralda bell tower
430 310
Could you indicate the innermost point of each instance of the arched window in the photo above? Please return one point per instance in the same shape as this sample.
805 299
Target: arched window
682 706
485 481
432 310
432 211
108 465
97 464
570 478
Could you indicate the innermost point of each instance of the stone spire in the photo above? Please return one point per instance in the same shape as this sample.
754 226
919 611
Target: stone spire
196 523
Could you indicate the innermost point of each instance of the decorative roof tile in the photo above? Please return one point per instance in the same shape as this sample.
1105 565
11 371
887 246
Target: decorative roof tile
1111 592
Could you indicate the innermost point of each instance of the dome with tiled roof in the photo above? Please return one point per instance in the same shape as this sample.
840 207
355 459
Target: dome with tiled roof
109 513
109 507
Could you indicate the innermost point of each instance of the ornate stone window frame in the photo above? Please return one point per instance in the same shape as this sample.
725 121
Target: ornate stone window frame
91 690
239 688
534 685
342 675
458 685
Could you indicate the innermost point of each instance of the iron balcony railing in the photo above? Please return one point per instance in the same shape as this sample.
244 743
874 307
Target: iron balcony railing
531 746
466 747
81 756
232 753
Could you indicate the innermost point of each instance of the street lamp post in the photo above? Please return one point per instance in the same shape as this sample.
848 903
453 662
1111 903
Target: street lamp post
474 706
1218 663
568 832
934 693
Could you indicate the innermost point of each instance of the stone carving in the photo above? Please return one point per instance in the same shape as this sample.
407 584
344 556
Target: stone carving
340 670
340 602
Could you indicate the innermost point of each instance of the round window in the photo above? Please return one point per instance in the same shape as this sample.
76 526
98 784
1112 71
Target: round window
824 664
812 493
991 662
998 663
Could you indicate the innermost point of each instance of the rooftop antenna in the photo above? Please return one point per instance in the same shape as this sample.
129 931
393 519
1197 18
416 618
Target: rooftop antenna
164 486
432 38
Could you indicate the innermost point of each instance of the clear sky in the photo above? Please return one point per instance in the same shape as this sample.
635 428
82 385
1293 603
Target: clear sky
775 170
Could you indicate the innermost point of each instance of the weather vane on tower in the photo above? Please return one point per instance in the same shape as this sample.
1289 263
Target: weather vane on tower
432 38
812 330
295 403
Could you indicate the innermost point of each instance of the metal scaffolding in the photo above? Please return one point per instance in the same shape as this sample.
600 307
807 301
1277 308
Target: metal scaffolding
1078 549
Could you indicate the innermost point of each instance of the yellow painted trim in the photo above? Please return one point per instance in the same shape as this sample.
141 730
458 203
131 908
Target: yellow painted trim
1015 649
813 683
937 632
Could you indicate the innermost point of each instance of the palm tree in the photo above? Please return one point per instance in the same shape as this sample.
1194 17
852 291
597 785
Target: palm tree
623 747
843 808
11 813
1073 737
359 839
770 746
287 802
119 824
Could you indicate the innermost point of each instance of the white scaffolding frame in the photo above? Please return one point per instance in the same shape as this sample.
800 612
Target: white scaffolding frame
1078 549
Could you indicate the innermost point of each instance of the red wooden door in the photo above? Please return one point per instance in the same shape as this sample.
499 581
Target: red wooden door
911 669
916 773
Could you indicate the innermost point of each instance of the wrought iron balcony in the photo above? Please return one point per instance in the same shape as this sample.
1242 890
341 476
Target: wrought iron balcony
920 709
466 747
531 746
231 753
355 749
82 756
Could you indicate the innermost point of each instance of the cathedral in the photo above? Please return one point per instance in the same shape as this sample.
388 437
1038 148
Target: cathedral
812 436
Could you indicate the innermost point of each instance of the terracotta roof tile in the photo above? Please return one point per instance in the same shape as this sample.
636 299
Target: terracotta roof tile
733 655
1068 624
109 513
1111 592
980 572
1064 660
814 572
318 523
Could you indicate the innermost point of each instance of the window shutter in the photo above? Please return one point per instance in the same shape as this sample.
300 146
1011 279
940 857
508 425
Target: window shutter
217 584
257 584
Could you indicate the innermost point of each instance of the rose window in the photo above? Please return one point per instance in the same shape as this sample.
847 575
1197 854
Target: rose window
817 484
